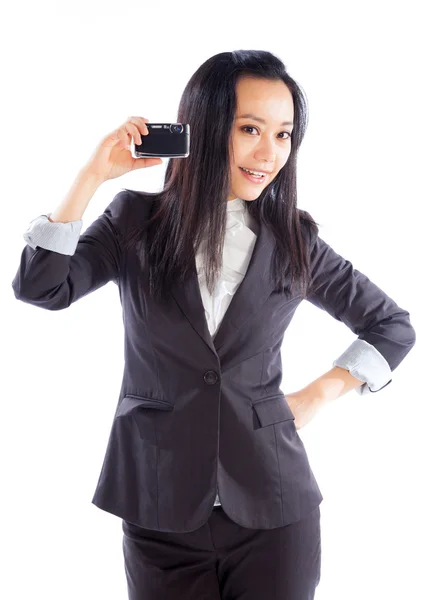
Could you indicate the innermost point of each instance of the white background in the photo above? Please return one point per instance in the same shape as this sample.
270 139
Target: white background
366 172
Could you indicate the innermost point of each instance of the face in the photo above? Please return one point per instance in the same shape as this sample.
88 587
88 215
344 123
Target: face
259 145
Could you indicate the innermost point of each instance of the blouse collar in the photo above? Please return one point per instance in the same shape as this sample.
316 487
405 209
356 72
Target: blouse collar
236 204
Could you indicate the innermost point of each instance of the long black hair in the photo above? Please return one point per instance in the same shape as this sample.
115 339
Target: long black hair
192 204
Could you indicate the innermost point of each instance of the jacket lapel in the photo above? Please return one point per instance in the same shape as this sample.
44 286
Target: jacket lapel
252 292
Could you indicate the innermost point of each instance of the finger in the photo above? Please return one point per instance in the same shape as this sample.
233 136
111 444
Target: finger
141 122
136 132
123 136
118 136
129 130
126 132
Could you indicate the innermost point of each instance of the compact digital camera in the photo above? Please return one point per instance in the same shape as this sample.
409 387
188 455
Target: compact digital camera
164 140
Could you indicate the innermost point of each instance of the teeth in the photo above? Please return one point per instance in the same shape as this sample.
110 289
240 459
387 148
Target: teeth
256 173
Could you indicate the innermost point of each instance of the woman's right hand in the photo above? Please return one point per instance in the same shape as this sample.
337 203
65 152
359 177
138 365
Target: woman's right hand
113 158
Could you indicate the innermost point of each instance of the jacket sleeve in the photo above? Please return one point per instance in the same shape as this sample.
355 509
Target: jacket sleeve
59 266
385 334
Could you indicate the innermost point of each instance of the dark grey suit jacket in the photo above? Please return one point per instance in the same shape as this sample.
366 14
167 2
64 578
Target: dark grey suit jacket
195 412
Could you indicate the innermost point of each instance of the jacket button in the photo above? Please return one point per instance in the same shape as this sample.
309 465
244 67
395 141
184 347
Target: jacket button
210 377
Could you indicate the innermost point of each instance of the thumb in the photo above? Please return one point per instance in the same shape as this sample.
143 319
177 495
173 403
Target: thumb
141 163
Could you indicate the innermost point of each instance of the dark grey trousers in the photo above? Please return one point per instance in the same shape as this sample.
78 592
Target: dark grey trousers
224 561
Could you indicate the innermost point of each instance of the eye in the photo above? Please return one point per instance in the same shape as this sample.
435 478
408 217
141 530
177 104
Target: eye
252 127
247 127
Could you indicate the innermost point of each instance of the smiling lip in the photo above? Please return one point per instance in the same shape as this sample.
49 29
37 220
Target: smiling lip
253 179
257 170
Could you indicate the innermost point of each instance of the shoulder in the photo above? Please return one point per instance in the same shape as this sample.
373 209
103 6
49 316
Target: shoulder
130 206
129 213
129 210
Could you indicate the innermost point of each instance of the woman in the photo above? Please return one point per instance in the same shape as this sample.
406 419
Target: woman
204 463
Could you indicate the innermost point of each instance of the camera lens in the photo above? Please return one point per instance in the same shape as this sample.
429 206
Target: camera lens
176 128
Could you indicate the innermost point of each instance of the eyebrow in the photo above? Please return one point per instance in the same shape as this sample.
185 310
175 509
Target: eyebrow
255 118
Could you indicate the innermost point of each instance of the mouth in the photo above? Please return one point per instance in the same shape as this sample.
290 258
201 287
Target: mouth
253 178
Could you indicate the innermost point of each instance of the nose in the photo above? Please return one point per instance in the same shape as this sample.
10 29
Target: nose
265 152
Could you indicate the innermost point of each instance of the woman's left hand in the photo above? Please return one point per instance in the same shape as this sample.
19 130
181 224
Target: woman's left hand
303 407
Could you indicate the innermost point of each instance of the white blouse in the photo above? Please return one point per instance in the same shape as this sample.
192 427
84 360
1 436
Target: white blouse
237 251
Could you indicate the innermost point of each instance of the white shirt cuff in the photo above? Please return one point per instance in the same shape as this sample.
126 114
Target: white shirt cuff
365 362
58 237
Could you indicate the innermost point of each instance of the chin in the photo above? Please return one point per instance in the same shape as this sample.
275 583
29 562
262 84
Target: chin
250 197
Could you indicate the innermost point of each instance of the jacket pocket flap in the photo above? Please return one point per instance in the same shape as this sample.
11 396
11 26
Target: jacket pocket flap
130 402
273 410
